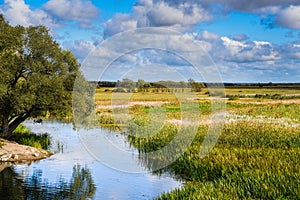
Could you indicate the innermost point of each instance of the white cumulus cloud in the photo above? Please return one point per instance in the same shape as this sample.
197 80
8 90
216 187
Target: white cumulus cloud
289 17
80 48
54 13
150 13
249 51
119 23
163 14
17 12
78 10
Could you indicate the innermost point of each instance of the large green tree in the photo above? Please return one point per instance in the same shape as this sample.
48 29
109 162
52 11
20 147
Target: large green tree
195 86
37 76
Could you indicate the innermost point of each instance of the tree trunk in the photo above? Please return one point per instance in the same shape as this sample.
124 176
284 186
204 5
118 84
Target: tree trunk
10 126
5 126
16 122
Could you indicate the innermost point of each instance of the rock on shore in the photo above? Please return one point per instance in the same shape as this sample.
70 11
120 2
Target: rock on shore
17 153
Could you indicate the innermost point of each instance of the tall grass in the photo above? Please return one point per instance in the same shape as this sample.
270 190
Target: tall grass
24 136
291 111
250 161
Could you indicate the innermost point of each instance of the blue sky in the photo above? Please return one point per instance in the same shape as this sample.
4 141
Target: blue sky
248 42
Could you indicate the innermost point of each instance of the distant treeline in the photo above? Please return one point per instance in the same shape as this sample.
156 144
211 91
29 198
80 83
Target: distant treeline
265 85
159 84
182 84
142 85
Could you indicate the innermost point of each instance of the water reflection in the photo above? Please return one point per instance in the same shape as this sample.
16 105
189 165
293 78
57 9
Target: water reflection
13 186
53 178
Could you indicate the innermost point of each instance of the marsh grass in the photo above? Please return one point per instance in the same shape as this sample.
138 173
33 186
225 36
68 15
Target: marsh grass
249 161
263 96
262 91
253 159
291 111
24 136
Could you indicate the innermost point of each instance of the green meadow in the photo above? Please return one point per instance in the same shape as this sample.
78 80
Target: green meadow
257 153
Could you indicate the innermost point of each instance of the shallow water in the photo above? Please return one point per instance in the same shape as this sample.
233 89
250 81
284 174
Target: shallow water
75 173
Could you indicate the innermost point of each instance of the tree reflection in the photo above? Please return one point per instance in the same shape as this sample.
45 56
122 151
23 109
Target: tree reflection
13 186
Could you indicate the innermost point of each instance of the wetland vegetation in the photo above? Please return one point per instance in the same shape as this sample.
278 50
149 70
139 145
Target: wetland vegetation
255 157
24 136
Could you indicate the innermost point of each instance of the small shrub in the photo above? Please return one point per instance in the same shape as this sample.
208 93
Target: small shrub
119 89
216 94
231 98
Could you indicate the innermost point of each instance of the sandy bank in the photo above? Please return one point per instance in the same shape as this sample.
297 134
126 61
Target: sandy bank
12 152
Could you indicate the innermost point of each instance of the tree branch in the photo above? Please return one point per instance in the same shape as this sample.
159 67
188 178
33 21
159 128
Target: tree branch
18 120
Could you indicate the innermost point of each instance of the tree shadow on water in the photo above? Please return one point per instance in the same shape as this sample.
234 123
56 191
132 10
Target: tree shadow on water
13 186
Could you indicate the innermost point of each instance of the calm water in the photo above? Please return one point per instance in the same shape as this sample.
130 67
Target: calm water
73 173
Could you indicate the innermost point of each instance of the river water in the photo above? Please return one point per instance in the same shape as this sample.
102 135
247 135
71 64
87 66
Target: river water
74 173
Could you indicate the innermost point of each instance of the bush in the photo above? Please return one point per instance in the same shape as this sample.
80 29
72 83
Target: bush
119 89
233 97
216 94
274 96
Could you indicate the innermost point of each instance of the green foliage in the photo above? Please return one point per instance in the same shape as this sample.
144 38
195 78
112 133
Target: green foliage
151 142
128 84
240 185
196 86
109 122
290 111
37 76
24 136
250 161
259 135
106 120
119 89
83 102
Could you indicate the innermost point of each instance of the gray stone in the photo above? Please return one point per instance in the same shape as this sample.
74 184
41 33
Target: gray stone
15 156
5 156
36 155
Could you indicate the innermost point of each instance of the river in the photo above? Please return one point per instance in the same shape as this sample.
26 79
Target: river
74 173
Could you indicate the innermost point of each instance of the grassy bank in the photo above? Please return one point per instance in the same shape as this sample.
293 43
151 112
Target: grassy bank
249 161
24 136
256 156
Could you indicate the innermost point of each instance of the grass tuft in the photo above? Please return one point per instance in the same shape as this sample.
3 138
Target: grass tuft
24 136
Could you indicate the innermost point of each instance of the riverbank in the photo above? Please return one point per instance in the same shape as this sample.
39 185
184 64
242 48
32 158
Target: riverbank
16 153
54 177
